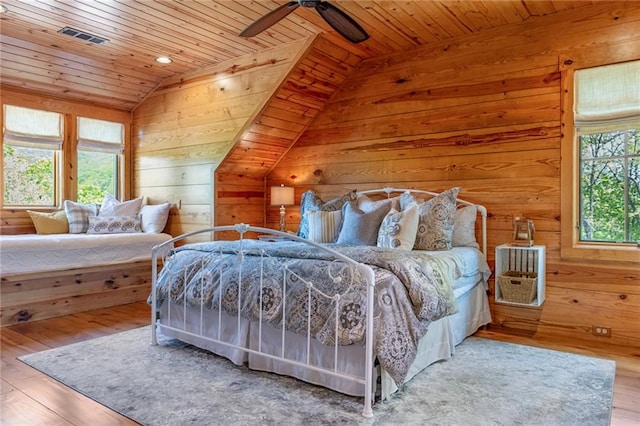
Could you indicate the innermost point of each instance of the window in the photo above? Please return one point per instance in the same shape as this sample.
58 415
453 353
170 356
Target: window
31 147
601 163
100 145
610 186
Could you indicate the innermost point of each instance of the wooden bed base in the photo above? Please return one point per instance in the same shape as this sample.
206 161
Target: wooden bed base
36 296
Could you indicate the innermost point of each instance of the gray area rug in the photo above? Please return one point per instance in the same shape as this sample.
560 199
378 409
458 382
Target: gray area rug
485 383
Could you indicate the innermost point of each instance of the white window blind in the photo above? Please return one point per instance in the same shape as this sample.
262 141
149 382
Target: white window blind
32 128
100 136
607 97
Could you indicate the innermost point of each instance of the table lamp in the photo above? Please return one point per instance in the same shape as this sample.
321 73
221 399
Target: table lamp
282 196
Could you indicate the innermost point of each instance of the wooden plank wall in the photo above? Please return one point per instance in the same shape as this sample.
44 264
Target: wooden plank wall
481 112
240 179
188 125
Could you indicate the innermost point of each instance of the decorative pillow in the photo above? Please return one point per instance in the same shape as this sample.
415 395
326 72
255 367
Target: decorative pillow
324 227
398 229
464 227
366 204
435 226
154 217
360 228
78 215
311 201
114 224
112 207
50 223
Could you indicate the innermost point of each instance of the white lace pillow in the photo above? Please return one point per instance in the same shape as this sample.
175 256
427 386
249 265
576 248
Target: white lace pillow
112 207
114 224
398 229
435 227
464 227
78 215
154 217
324 226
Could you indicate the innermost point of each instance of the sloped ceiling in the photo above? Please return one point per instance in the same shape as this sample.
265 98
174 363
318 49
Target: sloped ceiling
200 33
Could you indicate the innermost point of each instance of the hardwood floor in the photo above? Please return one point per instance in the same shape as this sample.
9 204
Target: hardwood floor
32 398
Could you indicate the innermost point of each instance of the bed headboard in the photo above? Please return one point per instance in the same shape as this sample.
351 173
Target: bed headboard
482 211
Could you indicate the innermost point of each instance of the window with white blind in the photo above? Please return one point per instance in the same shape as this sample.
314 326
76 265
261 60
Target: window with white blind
607 125
32 142
100 146
601 163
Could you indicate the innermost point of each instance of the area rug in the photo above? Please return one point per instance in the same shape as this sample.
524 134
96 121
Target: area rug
486 383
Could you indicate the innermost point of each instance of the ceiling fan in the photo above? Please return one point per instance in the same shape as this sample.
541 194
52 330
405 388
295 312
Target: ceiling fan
339 21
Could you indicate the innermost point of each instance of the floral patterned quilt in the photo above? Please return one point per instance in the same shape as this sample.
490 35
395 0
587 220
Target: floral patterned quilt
412 290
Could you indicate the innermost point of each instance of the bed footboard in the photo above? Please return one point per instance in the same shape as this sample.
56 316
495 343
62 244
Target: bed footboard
175 290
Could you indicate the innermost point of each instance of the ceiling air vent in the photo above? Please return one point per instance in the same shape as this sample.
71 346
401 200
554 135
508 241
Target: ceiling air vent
83 35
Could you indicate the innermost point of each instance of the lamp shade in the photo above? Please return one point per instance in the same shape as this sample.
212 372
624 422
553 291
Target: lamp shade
281 195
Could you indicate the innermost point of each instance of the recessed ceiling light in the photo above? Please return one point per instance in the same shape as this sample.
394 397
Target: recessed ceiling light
164 59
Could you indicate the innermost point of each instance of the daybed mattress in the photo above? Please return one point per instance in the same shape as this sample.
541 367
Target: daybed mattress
36 253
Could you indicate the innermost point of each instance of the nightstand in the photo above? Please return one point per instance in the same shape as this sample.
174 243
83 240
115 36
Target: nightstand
520 275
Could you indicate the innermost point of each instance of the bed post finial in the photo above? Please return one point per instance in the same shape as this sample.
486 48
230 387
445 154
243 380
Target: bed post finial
241 228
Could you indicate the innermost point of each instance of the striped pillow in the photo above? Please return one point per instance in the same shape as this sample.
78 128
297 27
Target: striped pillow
324 226
311 201
78 216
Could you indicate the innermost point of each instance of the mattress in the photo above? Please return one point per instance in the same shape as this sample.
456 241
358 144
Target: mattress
36 253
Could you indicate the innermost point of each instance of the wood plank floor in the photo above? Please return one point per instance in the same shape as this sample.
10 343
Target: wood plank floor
32 398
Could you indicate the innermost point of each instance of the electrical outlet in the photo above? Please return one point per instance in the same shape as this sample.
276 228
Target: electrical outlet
601 331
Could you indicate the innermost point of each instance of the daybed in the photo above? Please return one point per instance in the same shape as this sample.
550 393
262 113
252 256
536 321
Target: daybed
247 300
52 274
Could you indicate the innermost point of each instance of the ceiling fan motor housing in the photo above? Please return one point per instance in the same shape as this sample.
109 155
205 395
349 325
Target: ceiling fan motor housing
308 3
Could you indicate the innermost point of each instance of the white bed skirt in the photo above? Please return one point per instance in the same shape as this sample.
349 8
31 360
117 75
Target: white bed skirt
438 344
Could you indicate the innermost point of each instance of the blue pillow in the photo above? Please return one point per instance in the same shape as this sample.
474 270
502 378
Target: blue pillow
360 228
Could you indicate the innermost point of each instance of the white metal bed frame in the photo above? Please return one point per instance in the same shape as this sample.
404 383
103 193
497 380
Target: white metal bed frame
364 270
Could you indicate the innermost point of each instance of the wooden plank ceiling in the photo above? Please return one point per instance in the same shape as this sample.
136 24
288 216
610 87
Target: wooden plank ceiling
199 33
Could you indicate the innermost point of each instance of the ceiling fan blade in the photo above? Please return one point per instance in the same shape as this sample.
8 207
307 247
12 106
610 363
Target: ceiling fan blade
269 19
341 22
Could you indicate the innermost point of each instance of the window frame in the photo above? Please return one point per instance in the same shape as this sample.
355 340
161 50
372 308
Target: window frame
119 158
66 188
571 248
56 154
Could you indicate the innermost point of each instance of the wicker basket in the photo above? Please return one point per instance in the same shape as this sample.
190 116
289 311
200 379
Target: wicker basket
518 286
